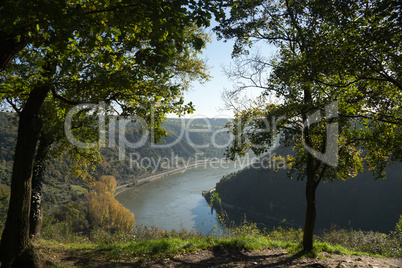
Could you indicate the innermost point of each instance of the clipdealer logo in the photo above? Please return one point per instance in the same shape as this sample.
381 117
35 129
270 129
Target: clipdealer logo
330 156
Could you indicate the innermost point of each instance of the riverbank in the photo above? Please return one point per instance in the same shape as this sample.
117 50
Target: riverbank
238 214
159 175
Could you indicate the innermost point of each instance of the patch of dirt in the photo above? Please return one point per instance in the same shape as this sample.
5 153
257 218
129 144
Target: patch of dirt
63 256
272 258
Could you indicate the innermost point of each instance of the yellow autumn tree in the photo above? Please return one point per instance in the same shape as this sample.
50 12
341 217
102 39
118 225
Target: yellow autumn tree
104 210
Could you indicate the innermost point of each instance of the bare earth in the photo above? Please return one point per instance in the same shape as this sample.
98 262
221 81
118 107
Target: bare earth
62 257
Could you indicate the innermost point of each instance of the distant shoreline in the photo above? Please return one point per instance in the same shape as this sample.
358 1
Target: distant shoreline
152 177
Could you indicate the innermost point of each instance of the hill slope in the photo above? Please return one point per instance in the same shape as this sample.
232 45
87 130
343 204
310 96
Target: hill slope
186 140
266 196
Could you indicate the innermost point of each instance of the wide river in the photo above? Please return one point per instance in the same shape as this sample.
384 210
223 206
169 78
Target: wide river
176 201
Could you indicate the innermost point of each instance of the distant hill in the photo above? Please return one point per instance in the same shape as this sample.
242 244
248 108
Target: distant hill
266 196
183 143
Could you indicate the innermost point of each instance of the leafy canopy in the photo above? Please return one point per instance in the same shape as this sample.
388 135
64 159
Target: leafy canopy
343 52
136 57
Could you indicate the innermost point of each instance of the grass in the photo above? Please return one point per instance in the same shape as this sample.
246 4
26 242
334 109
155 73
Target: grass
165 247
168 247
78 189
152 242
374 243
147 242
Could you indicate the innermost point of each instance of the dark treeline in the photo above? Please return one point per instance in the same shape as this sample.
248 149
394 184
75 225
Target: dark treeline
263 194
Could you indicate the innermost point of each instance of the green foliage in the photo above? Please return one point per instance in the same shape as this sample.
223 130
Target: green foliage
151 241
132 55
72 222
78 189
398 226
370 242
148 90
76 215
4 200
214 198
145 232
69 223
103 236
58 174
330 58
104 24
162 244
307 74
60 232
285 234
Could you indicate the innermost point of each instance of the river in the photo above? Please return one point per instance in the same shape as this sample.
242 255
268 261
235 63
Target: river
176 201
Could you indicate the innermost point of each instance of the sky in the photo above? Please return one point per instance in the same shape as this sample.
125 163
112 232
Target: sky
207 97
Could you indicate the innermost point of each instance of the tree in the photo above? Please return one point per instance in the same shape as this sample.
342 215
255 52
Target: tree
36 210
55 23
52 145
104 210
4 198
337 57
106 47
74 215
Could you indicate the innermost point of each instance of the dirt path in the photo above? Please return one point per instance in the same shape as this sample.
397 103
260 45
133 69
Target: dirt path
60 256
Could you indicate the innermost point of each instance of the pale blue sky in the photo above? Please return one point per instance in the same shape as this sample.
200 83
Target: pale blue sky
207 98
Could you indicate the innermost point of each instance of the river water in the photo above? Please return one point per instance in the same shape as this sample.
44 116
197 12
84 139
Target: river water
176 201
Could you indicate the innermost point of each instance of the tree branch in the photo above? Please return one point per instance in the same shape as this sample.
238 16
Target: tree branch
57 96
16 109
109 9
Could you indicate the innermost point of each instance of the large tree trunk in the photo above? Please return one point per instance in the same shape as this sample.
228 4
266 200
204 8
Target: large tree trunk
10 45
36 214
14 248
311 212
311 185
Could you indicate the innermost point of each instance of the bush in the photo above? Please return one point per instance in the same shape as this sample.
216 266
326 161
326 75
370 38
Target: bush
53 229
286 234
363 241
398 227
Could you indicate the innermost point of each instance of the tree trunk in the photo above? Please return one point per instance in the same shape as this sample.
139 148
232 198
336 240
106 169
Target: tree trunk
14 248
9 47
311 215
36 214
311 185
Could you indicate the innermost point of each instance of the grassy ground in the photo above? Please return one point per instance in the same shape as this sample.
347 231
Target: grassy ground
150 245
205 252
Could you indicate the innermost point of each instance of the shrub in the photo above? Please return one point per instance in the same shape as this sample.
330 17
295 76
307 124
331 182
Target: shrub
365 241
398 227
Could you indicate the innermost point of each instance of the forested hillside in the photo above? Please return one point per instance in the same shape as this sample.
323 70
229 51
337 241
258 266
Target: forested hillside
265 195
182 144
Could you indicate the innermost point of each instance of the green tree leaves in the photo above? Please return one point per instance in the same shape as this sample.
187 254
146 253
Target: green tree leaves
346 52
121 52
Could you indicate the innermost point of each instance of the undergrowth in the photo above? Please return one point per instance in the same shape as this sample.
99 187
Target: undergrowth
374 243
151 241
